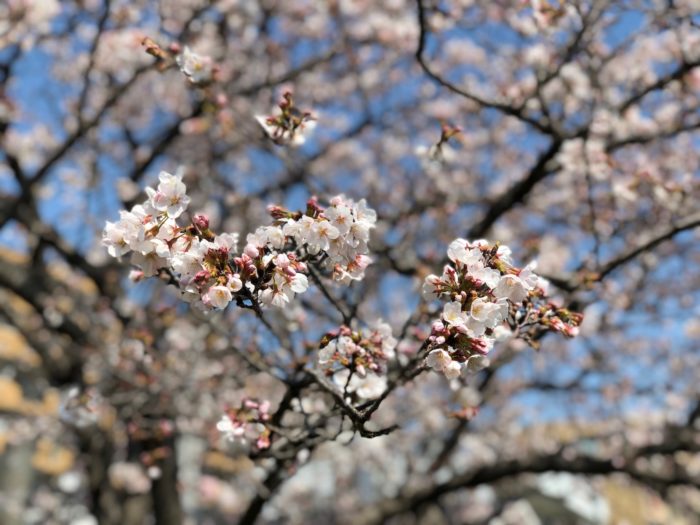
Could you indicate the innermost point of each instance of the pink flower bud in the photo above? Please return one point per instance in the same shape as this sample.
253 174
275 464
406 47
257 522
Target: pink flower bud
571 331
263 442
556 324
312 206
277 212
201 277
201 222
282 261
480 346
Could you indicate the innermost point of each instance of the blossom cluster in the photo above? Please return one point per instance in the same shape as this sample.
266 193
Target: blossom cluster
336 235
358 360
363 351
246 424
487 297
289 126
271 269
150 230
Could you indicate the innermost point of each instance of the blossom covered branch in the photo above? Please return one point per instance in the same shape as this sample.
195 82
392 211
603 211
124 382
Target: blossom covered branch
274 262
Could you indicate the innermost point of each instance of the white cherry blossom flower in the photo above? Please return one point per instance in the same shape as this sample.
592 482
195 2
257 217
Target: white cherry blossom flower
440 361
483 273
299 283
217 297
323 234
476 363
197 68
459 251
453 315
171 196
114 239
453 370
340 217
511 287
486 312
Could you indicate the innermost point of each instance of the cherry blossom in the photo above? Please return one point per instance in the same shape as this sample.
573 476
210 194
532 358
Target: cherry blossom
198 69
488 300
272 269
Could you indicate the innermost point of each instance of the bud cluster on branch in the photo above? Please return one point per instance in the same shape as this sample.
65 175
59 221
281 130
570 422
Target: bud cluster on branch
289 126
358 359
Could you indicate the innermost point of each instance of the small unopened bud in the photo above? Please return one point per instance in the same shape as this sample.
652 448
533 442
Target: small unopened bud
154 49
277 212
449 131
287 100
312 207
251 251
202 277
438 327
201 222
